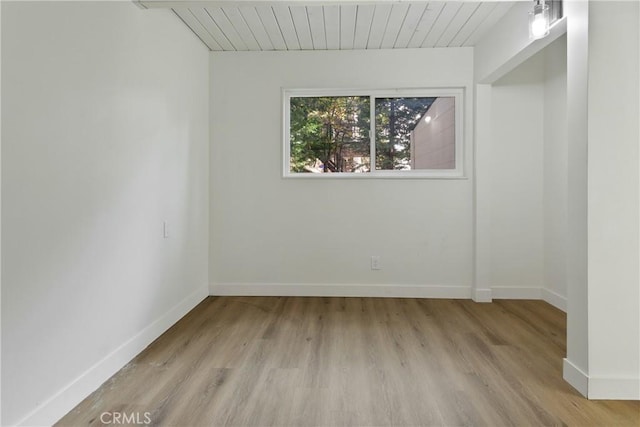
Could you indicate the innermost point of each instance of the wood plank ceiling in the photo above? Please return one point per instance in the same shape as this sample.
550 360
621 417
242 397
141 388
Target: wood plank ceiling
347 26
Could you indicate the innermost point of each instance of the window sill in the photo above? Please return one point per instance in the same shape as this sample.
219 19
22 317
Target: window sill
454 175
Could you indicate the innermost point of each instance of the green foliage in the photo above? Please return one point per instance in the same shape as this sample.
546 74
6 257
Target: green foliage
395 119
328 132
331 134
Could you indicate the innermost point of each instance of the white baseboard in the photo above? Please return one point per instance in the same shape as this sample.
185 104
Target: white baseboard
614 388
575 377
508 292
392 291
482 295
555 299
600 388
69 396
340 290
547 295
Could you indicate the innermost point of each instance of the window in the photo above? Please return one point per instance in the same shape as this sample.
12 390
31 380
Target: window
399 133
555 10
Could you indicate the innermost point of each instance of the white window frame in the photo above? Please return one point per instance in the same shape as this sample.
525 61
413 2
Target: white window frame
455 92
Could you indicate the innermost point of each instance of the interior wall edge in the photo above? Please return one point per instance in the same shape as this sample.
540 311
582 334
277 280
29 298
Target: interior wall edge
516 292
555 299
340 290
77 390
575 376
600 388
611 388
482 295
386 291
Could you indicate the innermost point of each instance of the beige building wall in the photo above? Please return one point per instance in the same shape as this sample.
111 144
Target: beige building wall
433 143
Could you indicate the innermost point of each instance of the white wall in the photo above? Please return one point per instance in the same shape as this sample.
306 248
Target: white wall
507 45
602 200
104 137
0 217
614 216
509 149
576 364
517 226
555 172
299 232
496 50
525 167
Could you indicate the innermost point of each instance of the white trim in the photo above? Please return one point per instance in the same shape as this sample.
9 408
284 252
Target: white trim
372 136
154 4
340 290
481 185
614 388
508 292
387 174
432 91
385 290
458 93
77 390
482 295
555 299
140 4
557 30
575 377
600 388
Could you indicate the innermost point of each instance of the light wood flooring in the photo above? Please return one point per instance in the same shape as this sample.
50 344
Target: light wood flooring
285 361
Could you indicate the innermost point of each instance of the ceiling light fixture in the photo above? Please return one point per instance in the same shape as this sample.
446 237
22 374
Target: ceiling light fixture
539 20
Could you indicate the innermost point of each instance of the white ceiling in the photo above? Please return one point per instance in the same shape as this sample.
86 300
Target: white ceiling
348 25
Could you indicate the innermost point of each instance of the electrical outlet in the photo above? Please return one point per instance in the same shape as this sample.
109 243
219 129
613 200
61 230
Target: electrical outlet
375 263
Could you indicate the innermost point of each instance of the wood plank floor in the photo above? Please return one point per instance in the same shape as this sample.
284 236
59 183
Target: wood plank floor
284 361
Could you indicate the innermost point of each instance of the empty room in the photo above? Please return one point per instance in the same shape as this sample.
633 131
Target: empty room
327 213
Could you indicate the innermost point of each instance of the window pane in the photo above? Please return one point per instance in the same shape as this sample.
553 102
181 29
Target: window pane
329 134
415 133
